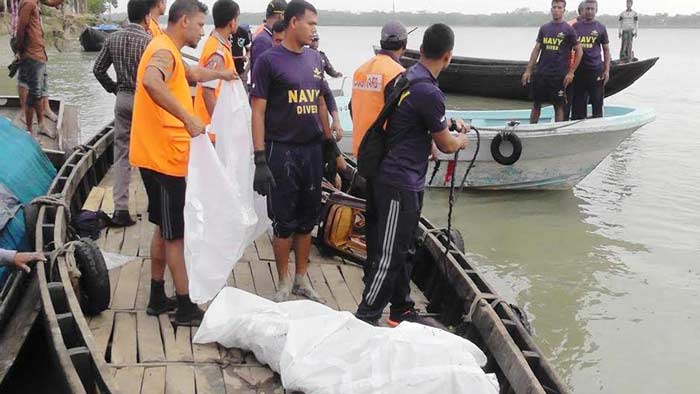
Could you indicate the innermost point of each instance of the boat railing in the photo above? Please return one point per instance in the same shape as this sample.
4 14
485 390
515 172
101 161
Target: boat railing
68 334
465 300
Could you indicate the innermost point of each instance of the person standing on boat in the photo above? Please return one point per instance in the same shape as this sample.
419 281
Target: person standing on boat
163 123
629 27
262 38
395 195
216 55
156 10
327 66
274 12
19 260
553 75
123 50
31 52
594 72
278 30
572 59
240 50
288 136
370 80
22 85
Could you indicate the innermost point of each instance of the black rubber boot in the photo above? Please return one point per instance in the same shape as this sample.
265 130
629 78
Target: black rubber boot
121 218
159 303
188 313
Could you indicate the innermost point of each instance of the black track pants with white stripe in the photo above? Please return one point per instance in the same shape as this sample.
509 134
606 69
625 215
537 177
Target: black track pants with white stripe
392 219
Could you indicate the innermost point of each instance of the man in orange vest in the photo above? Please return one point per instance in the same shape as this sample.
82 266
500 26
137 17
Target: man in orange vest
372 77
162 125
157 9
216 55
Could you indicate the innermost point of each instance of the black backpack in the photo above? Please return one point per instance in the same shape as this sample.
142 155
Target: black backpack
374 145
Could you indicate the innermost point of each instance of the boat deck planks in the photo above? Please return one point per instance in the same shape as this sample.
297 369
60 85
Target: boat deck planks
153 381
124 349
129 380
150 345
150 355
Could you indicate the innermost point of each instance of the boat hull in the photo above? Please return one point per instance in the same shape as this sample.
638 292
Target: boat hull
502 78
92 39
554 155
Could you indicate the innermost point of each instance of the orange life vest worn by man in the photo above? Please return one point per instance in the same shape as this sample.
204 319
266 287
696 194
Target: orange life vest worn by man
372 77
162 125
216 55
157 8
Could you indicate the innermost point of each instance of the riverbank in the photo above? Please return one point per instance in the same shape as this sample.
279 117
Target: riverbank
57 26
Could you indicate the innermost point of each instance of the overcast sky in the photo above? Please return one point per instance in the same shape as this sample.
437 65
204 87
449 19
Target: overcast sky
474 7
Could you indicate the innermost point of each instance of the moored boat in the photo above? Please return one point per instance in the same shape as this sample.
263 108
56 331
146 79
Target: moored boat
502 78
548 155
93 37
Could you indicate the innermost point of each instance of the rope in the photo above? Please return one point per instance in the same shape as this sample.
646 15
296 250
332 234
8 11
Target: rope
448 246
478 298
54 200
68 247
471 164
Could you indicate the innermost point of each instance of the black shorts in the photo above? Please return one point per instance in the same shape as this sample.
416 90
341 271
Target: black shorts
166 202
294 205
548 89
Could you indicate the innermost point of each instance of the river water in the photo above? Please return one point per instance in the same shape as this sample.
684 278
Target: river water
609 272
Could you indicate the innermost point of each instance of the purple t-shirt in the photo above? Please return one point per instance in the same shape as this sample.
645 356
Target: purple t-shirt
260 45
410 130
292 83
557 40
592 36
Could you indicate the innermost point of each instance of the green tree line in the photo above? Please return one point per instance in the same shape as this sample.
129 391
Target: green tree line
519 18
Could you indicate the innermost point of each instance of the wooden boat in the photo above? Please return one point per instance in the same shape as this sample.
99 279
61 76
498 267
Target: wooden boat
125 350
19 293
92 38
502 78
550 156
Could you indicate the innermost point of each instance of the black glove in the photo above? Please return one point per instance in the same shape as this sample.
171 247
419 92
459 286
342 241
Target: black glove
263 181
330 156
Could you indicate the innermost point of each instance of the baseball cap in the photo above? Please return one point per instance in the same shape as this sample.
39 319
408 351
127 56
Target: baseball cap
394 31
276 7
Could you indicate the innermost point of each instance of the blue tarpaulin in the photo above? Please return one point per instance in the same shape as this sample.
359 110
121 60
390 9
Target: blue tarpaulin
26 173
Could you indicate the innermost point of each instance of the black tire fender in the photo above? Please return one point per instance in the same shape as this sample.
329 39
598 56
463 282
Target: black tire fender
94 285
496 148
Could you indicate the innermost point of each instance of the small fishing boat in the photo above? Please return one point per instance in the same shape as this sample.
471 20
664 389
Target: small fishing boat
93 37
502 78
515 155
122 349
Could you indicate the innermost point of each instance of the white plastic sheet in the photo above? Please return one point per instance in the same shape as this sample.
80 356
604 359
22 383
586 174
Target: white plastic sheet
319 351
223 215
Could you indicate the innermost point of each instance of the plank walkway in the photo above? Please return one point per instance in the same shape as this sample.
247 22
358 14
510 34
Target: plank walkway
148 355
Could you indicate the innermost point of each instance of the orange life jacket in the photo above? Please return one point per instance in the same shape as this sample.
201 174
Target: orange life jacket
368 86
211 47
154 28
159 141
